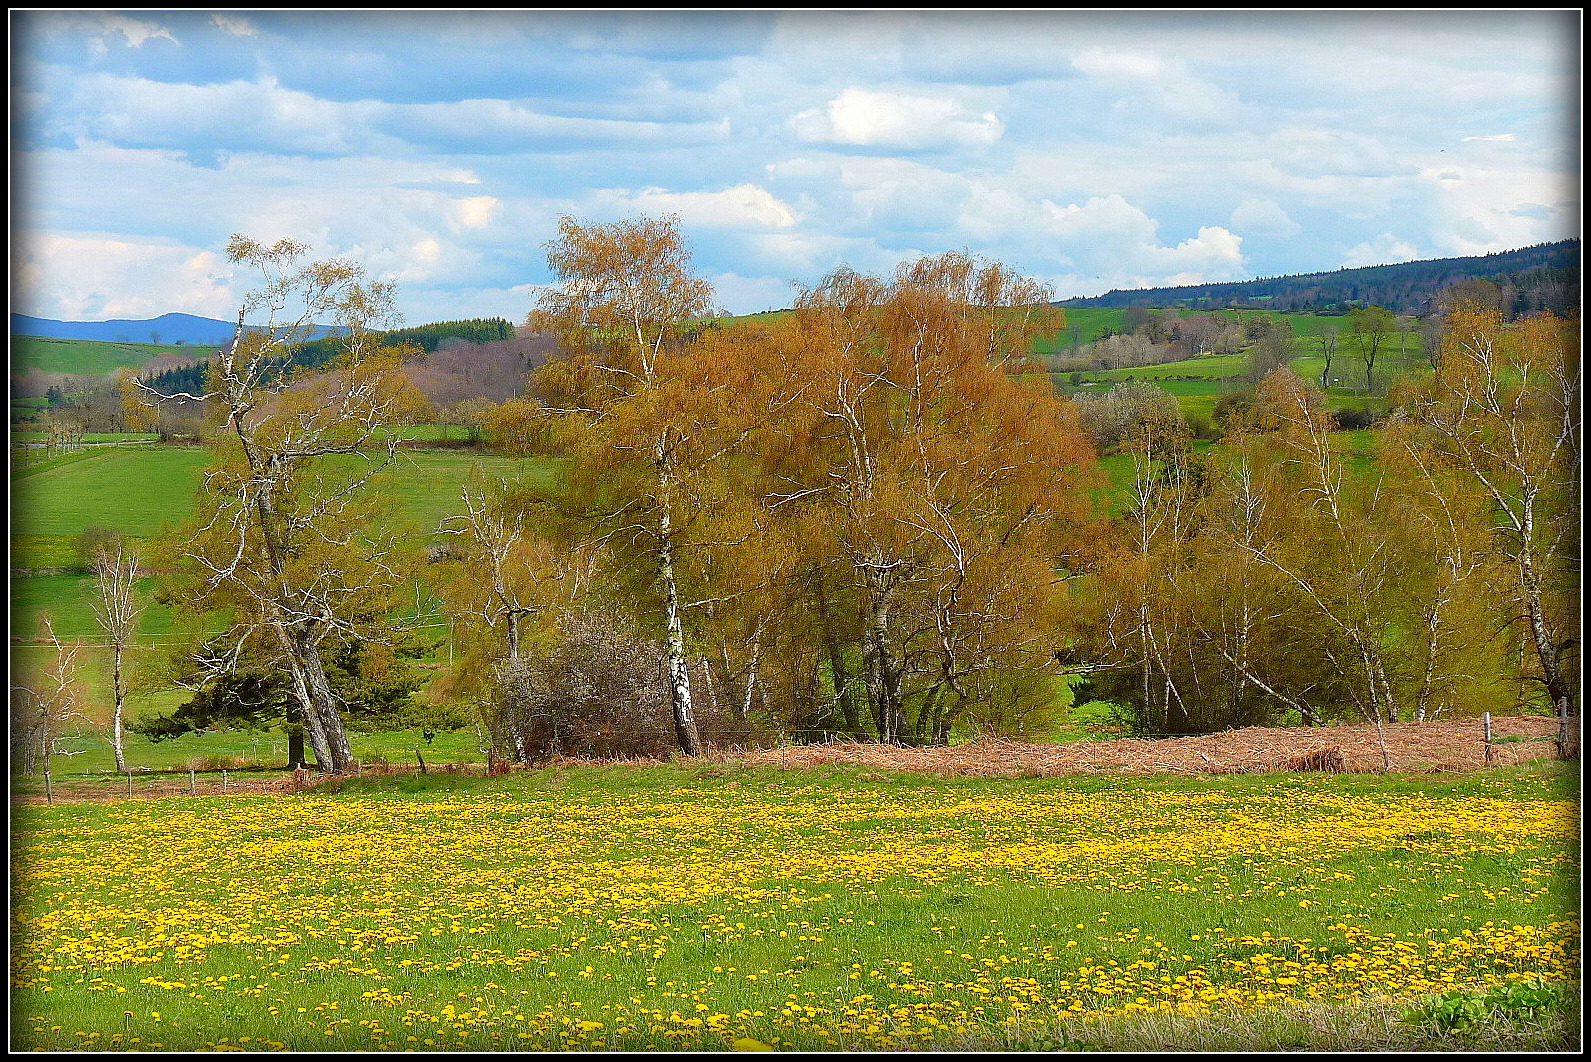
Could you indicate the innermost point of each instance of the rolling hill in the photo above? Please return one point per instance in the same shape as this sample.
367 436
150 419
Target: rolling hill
1543 277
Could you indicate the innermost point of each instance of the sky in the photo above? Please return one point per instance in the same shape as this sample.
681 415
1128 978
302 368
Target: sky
1089 150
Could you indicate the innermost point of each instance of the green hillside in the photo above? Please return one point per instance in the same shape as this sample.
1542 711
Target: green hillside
87 357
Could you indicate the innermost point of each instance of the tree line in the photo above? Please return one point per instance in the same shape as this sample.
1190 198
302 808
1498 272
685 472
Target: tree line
1545 277
874 518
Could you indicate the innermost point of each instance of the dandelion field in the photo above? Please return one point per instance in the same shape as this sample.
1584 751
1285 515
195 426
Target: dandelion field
680 906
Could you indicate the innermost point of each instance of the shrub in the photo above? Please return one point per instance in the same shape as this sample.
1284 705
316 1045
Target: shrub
1353 419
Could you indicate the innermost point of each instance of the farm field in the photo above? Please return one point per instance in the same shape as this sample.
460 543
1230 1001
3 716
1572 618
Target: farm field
138 490
701 906
90 357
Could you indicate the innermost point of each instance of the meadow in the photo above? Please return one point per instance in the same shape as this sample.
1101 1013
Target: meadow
90 357
684 906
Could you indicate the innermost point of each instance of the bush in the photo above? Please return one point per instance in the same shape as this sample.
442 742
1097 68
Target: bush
1353 419
599 690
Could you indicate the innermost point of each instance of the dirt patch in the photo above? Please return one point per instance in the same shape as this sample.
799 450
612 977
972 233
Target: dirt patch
1457 745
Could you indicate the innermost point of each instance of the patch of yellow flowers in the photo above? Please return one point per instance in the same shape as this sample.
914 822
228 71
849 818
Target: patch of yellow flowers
743 917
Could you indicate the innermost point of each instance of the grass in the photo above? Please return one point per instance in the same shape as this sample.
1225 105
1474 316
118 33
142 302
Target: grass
87 758
90 357
137 491
134 489
682 907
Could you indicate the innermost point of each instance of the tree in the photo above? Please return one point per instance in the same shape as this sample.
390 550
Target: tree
1327 338
1131 410
1272 348
625 308
280 540
1369 327
117 610
1504 408
928 484
44 699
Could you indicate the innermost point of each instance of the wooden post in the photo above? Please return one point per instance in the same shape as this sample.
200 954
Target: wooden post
129 783
1491 753
223 780
193 782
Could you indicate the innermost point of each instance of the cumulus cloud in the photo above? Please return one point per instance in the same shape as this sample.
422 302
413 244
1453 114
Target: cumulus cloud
1102 242
476 212
1385 249
1482 209
1263 217
118 276
865 118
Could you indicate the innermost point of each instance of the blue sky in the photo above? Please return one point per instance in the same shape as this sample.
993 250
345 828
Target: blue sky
1090 150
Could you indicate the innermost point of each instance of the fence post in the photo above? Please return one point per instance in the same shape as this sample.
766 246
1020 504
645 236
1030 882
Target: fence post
223 779
1491 753
49 791
193 782
129 783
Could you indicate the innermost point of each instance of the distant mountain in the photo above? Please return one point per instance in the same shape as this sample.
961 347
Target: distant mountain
169 327
1543 277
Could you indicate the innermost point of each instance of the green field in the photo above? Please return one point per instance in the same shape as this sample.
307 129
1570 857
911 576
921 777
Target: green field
88 357
709 906
139 490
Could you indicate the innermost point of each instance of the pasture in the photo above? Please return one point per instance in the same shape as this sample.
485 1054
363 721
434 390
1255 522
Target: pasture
706 907
89 357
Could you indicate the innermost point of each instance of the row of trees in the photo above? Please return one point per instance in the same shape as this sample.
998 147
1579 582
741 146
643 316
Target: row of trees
872 516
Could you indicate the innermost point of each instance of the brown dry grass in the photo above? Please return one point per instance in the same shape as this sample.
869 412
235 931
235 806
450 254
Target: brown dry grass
1456 745
1450 745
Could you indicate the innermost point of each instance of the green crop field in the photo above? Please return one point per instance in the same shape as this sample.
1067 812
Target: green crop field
715 906
88 357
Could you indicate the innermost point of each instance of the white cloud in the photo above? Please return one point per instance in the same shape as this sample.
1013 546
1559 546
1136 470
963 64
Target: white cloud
743 206
119 276
864 118
1321 152
1263 217
1165 84
740 294
235 25
1385 249
1105 242
476 212
1479 210
1119 63
1500 137
101 27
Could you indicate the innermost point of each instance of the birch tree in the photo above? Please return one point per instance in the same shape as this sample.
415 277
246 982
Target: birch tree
623 309
281 539
1504 408
117 609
